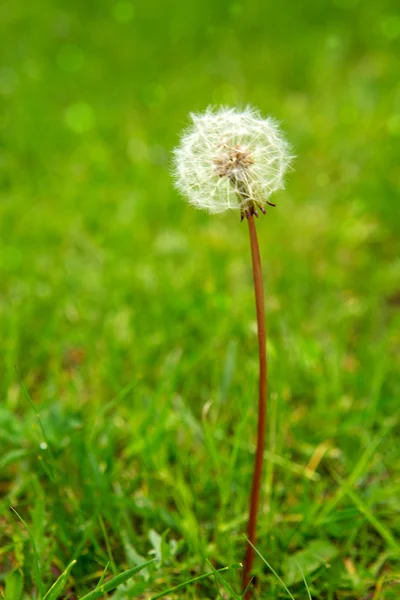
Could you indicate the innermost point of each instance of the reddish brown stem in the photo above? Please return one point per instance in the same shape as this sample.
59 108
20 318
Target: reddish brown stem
262 403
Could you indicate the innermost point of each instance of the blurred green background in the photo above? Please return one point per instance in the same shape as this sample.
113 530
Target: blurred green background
128 316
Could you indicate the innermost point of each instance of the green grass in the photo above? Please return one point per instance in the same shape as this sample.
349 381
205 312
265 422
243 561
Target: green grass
128 367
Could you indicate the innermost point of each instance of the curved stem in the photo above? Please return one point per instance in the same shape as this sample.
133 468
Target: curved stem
262 403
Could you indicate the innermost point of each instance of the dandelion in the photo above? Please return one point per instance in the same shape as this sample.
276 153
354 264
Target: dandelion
235 159
231 159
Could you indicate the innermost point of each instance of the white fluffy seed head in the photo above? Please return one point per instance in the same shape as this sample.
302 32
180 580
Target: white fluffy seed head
231 159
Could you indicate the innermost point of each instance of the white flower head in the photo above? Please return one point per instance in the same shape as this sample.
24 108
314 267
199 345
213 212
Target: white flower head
231 159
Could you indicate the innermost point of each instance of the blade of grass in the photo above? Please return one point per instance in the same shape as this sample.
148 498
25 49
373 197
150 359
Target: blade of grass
58 586
49 465
305 581
14 585
36 562
102 575
285 463
355 474
115 581
224 583
108 545
272 570
366 511
193 580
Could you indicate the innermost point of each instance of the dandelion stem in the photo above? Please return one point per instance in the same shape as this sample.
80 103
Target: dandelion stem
262 403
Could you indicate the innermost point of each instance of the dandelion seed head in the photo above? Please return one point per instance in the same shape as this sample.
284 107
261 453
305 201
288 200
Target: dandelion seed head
229 159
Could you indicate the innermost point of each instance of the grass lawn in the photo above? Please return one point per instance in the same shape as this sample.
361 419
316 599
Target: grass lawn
128 359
